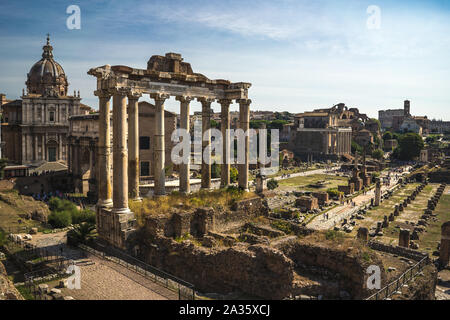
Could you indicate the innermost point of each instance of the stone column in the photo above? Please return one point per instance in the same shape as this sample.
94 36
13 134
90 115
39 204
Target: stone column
35 147
378 193
185 185
444 253
403 239
104 150
225 128
244 117
159 145
45 150
60 147
120 153
206 158
363 234
24 145
133 146
43 147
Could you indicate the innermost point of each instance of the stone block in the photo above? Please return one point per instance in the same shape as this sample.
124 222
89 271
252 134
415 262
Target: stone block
403 240
55 291
43 288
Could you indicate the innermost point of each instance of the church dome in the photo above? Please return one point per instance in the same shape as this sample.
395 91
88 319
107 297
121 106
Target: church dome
47 77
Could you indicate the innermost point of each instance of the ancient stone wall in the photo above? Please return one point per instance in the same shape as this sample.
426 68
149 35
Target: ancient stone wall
257 270
401 251
350 266
7 289
201 220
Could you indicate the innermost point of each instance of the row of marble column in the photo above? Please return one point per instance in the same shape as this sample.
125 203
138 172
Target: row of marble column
126 171
340 142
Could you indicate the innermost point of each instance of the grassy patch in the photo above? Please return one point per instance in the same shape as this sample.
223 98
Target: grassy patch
162 205
282 226
304 182
428 240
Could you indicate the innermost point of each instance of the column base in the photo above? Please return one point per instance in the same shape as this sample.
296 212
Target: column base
120 210
159 195
139 199
105 203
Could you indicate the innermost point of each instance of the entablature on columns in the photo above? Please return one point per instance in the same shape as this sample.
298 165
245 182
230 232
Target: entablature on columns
144 81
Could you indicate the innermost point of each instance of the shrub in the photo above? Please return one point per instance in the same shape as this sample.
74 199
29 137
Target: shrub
378 154
215 171
333 192
83 216
272 184
83 233
60 219
334 235
233 174
388 135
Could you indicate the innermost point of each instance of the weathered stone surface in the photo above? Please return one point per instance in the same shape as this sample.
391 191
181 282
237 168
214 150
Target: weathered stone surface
363 234
403 240
444 254
7 289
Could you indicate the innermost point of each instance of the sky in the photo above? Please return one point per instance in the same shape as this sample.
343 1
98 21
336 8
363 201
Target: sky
298 55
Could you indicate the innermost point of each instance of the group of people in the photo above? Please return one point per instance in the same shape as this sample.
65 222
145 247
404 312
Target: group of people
46 196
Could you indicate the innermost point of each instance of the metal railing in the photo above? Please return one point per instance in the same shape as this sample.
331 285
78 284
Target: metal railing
397 284
185 290
32 253
34 278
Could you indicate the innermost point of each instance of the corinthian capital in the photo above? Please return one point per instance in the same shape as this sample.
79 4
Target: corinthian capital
134 95
106 94
244 101
205 101
159 96
225 102
184 99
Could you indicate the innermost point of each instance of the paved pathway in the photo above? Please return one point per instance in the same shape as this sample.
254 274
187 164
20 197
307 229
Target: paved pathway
104 279
345 210
307 173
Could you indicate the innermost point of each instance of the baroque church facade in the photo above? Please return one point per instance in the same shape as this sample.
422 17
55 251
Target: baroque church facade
35 128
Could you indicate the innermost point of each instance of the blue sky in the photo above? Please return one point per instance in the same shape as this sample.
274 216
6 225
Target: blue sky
297 54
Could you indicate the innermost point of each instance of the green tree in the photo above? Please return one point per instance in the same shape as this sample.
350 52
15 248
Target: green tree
85 215
233 174
272 184
409 146
214 124
377 122
60 219
215 170
388 135
277 124
377 154
356 147
82 233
